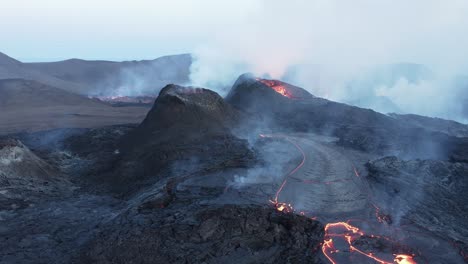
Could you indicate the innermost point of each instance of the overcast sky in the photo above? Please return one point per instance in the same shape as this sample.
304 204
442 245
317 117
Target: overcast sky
113 29
426 31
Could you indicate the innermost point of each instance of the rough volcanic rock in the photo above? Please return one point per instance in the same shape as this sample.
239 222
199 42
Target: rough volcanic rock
223 234
190 126
25 178
428 193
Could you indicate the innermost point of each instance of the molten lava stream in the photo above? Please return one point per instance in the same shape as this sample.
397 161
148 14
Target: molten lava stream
346 234
334 232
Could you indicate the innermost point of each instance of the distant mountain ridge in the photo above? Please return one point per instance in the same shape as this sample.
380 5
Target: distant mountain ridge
101 77
7 60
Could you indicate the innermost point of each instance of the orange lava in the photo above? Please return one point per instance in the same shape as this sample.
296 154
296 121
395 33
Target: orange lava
349 233
278 87
404 259
284 207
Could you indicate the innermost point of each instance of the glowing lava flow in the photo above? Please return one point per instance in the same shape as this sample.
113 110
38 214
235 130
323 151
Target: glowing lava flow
339 230
278 87
349 234
404 259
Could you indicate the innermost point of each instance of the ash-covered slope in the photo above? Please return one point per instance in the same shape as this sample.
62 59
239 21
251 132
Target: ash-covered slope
190 126
26 179
33 106
363 129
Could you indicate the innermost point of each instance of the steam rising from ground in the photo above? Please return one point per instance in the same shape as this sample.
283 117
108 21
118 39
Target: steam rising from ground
336 49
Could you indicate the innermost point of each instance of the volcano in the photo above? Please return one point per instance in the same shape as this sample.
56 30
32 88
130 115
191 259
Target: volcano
359 128
162 138
247 88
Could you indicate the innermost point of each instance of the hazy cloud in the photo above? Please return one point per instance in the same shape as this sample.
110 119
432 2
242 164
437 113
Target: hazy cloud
331 43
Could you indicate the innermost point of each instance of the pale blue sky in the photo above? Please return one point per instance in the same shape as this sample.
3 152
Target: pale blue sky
294 31
113 29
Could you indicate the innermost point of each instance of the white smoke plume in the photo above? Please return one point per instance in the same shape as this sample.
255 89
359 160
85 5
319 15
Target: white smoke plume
330 47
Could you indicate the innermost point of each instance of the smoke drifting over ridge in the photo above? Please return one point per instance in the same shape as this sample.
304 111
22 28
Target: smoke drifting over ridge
394 56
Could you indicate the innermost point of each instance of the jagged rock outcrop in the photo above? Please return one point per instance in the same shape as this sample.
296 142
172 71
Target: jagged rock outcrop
214 234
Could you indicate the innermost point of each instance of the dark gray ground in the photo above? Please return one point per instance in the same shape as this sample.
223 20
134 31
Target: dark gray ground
185 219
30 106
